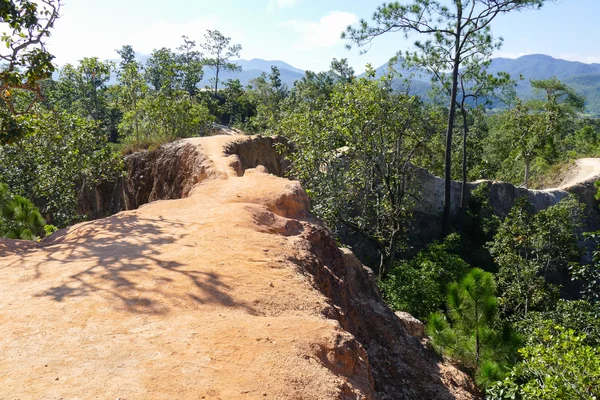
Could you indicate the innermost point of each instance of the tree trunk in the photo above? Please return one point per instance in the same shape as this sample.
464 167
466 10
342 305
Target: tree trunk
216 80
463 192
448 158
527 164
391 256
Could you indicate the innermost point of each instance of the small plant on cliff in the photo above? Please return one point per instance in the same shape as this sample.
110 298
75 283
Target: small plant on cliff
474 335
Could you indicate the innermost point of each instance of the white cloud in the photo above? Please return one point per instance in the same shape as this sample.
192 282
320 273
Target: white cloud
275 4
69 45
323 33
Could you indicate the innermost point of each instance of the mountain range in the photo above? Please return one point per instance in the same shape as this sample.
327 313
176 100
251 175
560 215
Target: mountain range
584 78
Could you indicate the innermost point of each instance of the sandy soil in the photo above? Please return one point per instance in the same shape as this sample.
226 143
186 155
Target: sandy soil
183 299
585 169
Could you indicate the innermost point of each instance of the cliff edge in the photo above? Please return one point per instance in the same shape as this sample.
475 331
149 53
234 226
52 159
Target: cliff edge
226 289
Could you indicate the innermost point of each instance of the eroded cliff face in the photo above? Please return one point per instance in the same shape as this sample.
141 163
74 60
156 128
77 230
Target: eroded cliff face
230 289
429 208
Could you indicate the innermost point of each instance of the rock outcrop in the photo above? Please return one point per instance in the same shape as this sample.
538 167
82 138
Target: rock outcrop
429 208
229 290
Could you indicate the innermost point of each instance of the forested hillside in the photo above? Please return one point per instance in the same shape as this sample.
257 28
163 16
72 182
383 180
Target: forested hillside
509 293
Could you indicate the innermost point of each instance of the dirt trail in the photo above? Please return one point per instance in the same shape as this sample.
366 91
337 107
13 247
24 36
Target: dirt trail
584 170
181 299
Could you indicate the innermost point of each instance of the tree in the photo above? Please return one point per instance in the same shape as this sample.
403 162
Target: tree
220 52
54 164
473 337
87 83
19 218
557 364
528 249
355 148
456 35
161 71
189 63
419 286
132 86
342 69
25 61
127 55
268 93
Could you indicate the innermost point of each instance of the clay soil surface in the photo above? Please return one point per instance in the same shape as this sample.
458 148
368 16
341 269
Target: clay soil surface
584 170
181 299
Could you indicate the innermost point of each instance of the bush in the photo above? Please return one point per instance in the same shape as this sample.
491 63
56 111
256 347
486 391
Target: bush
419 286
19 218
557 364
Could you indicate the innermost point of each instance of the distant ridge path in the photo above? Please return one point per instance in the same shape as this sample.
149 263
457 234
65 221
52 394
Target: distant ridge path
585 169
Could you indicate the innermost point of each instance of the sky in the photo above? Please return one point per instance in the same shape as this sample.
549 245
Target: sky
303 33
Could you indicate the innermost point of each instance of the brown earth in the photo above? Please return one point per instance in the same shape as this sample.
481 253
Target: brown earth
234 292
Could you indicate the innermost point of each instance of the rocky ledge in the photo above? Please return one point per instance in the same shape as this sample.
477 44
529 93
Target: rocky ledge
229 290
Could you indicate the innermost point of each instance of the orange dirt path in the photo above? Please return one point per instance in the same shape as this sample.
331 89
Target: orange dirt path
181 299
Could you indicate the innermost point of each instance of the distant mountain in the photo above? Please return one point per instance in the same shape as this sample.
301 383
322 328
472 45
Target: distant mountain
252 69
265 65
584 78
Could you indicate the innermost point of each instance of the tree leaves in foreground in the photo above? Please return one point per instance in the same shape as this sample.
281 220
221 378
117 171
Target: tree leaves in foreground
25 61
55 163
19 218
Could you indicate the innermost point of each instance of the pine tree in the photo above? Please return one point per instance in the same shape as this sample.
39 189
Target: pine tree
474 336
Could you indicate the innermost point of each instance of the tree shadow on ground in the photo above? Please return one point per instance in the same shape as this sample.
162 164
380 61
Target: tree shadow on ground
121 258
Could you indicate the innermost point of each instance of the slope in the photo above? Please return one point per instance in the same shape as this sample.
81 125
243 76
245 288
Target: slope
233 292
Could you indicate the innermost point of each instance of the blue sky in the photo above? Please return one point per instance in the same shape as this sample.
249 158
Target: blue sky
304 33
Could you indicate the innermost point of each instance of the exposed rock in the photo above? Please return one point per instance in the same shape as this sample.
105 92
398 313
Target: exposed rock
412 325
235 291
218 130
429 208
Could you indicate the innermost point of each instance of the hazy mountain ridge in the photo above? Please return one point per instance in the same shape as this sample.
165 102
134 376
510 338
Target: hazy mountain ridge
584 78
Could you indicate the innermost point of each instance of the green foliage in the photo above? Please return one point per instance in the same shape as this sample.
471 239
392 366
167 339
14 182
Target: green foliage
354 152
268 95
190 66
480 226
19 218
458 43
220 52
557 364
56 162
472 335
234 105
528 249
25 61
161 117
419 286
582 316
161 71
537 134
